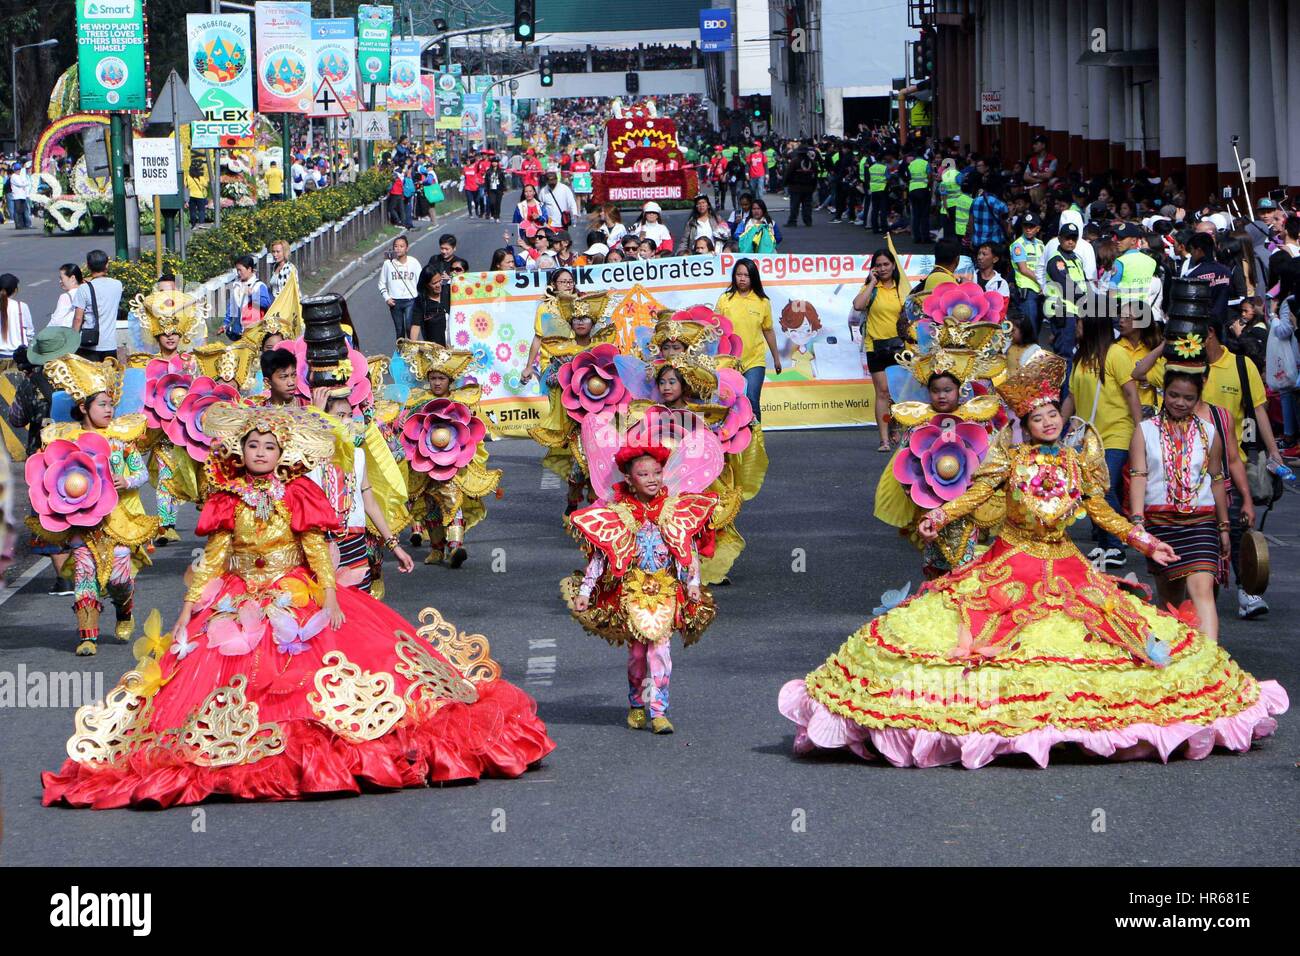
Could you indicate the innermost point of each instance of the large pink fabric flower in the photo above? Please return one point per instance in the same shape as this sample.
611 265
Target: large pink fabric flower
940 459
736 430
965 302
728 342
589 383
440 439
360 393
166 383
70 483
186 429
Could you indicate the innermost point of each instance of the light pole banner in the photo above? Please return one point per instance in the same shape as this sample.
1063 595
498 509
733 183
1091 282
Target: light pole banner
221 79
374 40
404 76
334 58
283 58
110 55
471 118
450 91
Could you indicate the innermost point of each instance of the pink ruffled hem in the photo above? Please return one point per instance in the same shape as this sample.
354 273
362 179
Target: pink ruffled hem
819 728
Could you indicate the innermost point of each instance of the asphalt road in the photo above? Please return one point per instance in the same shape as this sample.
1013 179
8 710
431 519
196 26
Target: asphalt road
723 789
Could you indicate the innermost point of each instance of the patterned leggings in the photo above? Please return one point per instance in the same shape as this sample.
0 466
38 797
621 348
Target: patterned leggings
85 586
650 691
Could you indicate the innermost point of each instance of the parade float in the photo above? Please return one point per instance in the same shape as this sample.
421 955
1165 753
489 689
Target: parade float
641 159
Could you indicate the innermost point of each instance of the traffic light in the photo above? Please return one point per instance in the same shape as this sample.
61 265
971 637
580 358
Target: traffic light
755 107
545 67
925 54
525 14
633 83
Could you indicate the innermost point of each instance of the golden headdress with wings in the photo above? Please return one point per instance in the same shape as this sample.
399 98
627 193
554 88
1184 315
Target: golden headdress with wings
555 317
964 350
172 312
227 362
305 440
82 378
693 335
699 372
425 357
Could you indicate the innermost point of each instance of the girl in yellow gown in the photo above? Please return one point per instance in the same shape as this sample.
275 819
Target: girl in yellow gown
1028 646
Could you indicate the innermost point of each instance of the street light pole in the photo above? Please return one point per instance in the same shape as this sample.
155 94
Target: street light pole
13 80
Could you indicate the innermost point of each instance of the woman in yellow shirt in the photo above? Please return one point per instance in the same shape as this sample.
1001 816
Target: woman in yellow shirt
747 306
882 300
1101 367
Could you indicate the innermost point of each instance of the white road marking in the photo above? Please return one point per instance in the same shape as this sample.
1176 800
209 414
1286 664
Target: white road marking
550 480
23 578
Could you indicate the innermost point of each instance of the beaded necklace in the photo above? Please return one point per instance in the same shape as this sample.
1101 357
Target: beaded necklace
1176 448
261 494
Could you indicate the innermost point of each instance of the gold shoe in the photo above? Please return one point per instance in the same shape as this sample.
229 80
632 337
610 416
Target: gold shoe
434 556
169 534
125 629
661 725
87 649
636 718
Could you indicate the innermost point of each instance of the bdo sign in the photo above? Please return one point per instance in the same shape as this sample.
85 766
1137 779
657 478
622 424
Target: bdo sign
715 30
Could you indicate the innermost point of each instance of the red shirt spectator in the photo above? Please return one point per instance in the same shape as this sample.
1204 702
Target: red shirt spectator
757 164
530 169
472 179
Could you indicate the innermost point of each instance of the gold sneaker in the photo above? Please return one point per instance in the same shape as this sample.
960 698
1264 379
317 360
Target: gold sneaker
434 556
636 718
87 649
125 629
661 725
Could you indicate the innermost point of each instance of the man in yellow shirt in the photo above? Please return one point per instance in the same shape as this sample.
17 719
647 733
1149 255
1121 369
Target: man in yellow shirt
1224 387
274 181
750 311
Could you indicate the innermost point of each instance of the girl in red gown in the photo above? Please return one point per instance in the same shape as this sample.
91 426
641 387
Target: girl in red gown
274 684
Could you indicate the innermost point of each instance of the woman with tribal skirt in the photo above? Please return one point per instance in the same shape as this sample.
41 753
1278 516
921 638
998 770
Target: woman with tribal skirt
946 441
1028 646
1177 493
274 684
644 538
173 322
84 487
443 442
567 325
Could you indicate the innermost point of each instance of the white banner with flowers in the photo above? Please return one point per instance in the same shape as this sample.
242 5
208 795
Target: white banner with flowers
824 381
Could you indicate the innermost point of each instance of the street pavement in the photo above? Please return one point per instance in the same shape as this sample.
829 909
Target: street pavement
725 788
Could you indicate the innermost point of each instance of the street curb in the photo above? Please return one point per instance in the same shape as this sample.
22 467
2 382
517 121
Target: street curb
355 263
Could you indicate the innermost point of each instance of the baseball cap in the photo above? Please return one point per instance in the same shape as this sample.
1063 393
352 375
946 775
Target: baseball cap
1128 230
1266 203
597 249
1068 231
1030 219
652 207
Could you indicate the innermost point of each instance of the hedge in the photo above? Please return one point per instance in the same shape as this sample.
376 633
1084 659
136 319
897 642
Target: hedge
213 251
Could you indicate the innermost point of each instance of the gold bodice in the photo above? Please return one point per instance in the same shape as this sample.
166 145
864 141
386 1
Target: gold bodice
1041 492
262 552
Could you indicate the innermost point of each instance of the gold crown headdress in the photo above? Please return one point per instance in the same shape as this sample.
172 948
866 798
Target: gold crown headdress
378 370
693 335
1037 382
425 357
82 378
964 350
305 440
597 306
227 362
699 372
171 313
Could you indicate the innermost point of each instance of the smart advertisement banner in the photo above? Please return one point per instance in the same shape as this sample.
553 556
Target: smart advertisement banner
404 76
374 42
110 55
221 79
284 48
824 382
334 58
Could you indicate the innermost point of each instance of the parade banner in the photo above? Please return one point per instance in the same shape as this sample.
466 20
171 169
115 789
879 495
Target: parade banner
374 42
334 58
283 57
450 91
429 95
111 55
643 185
471 117
404 76
824 382
221 79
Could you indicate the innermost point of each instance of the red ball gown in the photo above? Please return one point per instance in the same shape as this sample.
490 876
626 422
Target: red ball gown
260 699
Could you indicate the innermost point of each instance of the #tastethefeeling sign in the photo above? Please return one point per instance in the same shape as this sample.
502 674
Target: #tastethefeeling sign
110 55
